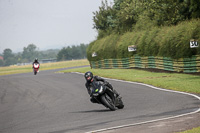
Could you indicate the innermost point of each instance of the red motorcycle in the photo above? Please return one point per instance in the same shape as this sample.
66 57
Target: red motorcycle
36 68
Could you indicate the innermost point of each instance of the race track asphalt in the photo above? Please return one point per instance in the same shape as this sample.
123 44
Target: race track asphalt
52 102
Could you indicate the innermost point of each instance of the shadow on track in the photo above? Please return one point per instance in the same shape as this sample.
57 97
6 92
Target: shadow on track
89 111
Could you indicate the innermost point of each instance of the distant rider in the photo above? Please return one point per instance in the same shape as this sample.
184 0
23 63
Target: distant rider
36 62
89 84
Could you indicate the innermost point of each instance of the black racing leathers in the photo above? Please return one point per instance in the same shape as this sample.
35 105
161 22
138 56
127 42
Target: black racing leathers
90 85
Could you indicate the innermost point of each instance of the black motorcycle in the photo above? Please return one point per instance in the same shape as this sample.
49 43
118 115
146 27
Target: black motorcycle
104 95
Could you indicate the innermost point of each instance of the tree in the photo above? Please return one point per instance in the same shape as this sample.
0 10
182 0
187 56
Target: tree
7 53
30 52
9 58
83 48
117 4
126 16
194 8
74 52
1 62
62 54
104 19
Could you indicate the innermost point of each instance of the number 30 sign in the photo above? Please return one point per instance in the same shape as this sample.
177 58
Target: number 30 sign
194 43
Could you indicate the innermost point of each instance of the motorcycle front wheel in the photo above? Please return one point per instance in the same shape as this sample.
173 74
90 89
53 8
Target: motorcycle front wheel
35 72
108 102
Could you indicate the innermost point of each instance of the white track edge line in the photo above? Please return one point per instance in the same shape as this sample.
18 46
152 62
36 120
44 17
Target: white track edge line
145 122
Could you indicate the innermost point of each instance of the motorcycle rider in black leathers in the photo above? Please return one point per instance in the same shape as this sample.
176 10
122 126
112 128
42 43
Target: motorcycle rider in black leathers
89 85
36 61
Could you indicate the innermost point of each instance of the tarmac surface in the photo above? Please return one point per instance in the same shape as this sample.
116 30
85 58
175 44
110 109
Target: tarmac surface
52 102
164 126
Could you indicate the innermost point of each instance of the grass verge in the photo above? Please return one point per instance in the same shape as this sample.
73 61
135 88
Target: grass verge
174 81
194 130
43 66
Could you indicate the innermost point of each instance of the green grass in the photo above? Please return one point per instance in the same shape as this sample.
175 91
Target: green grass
43 66
194 130
173 81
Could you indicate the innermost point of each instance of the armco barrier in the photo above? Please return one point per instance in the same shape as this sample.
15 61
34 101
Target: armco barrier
186 65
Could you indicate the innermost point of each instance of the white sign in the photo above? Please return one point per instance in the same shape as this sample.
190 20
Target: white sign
194 43
132 48
94 54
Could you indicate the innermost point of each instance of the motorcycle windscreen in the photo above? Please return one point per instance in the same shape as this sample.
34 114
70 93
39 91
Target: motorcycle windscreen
36 65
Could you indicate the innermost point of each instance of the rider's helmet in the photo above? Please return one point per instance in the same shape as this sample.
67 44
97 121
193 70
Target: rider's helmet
88 76
36 60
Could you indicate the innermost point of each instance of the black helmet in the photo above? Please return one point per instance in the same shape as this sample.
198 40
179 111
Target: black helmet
36 60
88 76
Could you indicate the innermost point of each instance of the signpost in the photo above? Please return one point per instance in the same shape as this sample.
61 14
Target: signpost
194 43
94 54
132 48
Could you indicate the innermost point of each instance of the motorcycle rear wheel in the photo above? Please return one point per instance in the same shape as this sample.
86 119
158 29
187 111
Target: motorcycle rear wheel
107 101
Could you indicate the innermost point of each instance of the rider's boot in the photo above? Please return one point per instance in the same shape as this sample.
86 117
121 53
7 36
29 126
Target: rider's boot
115 92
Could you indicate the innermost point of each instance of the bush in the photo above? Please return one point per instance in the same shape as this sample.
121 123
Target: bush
104 48
173 41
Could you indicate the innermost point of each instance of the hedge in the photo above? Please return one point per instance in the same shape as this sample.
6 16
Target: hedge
172 42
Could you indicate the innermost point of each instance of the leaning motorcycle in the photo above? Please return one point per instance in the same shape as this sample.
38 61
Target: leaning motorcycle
35 68
104 95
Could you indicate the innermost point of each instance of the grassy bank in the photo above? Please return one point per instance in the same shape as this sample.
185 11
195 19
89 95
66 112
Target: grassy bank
167 41
43 66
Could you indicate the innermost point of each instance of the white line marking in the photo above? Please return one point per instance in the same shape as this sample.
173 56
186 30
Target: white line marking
145 122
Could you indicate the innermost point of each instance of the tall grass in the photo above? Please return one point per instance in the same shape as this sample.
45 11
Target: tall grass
171 41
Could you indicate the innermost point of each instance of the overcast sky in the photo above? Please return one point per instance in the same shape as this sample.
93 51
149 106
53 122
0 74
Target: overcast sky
46 23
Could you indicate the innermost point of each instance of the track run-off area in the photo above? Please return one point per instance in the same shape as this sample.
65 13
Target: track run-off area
52 102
